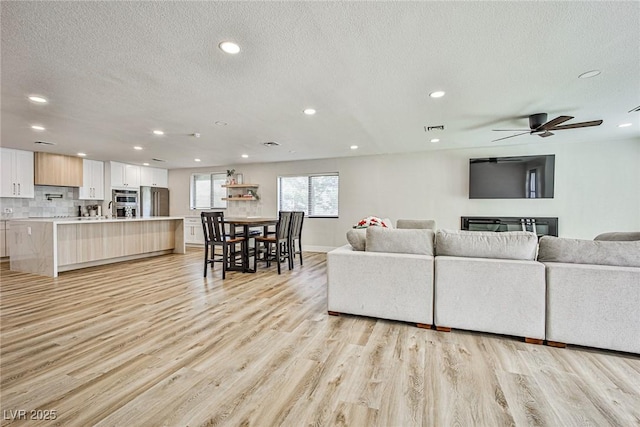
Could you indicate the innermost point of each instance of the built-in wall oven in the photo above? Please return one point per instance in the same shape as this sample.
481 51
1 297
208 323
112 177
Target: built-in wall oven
125 203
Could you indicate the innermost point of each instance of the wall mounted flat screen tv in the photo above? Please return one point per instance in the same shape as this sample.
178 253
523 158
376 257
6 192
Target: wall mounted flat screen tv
522 177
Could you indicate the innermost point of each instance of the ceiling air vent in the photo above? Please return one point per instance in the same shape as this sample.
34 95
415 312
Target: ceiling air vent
270 144
45 143
158 160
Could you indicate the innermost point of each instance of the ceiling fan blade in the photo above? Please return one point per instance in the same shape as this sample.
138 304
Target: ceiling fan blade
554 122
545 134
577 125
511 130
511 136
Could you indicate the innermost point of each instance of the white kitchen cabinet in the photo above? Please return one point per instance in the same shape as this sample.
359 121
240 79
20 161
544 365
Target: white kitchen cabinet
125 176
193 234
93 180
17 173
154 177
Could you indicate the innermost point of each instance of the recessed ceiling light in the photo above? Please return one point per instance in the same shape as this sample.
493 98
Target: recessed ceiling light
145 164
589 74
82 154
229 47
354 147
196 160
219 123
624 125
245 156
38 99
37 127
137 148
309 111
437 94
158 132
435 140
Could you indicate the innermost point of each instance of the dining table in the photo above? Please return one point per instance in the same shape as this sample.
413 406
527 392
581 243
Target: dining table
246 223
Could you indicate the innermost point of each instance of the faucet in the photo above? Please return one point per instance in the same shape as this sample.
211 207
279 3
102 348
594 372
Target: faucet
109 208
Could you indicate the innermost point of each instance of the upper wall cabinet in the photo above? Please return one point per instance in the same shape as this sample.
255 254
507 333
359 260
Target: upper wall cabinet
17 173
125 176
93 180
154 177
58 169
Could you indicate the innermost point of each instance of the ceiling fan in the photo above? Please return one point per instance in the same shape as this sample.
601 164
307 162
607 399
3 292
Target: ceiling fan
539 125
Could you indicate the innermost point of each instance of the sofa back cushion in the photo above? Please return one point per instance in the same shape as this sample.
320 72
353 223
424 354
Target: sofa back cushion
357 238
599 252
520 245
381 239
619 236
416 224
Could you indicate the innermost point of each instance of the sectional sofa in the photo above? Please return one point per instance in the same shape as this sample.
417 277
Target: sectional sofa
558 290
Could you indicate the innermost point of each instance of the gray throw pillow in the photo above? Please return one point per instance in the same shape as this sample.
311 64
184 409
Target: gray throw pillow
598 252
380 239
357 238
519 245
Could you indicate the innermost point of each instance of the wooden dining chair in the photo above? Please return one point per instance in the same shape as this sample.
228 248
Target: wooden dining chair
215 236
277 247
297 218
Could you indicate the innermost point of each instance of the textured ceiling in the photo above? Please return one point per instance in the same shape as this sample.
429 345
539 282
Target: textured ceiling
115 71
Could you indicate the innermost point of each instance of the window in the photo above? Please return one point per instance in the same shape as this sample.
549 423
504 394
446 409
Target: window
207 191
532 183
316 195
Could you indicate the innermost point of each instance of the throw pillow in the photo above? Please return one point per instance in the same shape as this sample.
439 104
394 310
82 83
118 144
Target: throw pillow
372 221
381 239
357 238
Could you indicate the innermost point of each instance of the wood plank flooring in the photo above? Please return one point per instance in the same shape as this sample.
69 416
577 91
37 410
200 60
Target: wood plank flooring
152 343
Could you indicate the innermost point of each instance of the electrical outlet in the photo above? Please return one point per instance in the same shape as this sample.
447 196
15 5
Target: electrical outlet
8 210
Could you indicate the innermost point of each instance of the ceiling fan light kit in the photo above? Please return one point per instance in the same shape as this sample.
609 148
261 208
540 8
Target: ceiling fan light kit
539 125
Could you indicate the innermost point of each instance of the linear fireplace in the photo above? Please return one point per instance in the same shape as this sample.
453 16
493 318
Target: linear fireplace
540 225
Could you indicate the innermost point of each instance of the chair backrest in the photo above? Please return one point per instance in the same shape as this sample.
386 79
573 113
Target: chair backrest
297 219
283 229
213 226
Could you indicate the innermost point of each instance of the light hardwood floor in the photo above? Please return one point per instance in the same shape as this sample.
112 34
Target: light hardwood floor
151 343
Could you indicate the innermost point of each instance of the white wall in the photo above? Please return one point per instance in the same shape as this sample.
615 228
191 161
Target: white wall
597 189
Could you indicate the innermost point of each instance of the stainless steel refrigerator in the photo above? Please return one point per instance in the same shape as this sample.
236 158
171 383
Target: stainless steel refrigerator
154 201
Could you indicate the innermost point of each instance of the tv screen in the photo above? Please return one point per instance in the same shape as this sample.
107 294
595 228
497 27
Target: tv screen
523 177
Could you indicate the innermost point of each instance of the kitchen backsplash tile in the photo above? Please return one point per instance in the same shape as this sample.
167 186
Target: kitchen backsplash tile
39 206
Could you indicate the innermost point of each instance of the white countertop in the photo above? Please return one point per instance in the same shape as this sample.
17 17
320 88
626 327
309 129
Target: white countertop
95 220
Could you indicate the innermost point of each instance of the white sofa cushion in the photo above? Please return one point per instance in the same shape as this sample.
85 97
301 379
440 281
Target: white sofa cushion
357 238
419 242
521 245
598 252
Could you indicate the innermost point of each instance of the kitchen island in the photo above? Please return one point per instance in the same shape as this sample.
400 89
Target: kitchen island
47 246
